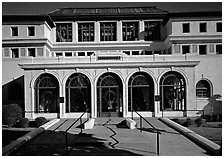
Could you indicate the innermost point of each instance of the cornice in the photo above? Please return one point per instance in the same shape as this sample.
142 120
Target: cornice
65 65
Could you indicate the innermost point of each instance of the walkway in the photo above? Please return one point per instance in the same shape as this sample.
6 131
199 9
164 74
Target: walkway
109 137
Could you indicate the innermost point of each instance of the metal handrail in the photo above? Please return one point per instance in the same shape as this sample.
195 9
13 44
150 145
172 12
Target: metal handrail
66 132
155 129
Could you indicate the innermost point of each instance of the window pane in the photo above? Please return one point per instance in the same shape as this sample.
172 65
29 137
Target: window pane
63 32
219 27
14 31
86 32
130 31
15 53
31 52
152 30
31 31
185 49
186 28
219 49
203 27
108 32
202 49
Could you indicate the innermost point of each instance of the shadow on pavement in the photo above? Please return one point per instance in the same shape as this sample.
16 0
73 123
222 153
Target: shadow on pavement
52 143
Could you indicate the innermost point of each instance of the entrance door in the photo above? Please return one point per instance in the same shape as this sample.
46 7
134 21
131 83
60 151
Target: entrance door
109 96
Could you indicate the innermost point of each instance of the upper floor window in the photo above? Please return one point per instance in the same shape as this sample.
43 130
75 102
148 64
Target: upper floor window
31 31
14 31
203 27
152 30
203 89
64 32
31 52
86 32
108 31
186 28
202 49
218 49
130 31
219 27
15 53
185 49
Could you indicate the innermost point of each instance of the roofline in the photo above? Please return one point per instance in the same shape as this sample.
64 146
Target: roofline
109 7
195 14
29 17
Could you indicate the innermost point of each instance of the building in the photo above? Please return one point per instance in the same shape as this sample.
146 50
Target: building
112 60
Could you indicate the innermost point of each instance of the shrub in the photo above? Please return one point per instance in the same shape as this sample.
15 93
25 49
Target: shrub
198 121
40 121
11 114
187 123
24 122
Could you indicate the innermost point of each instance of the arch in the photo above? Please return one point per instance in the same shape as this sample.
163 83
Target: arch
172 91
204 88
78 93
141 92
109 95
46 92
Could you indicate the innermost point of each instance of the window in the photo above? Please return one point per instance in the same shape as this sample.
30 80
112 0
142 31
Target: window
203 27
202 49
90 53
135 52
186 28
31 52
185 49
78 93
15 53
127 52
140 92
81 53
203 89
31 31
86 32
157 52
218 49
59 54
219 27
130 31
172 91
152 30
14 31
46 94
148 52
108 31
64 32
68 54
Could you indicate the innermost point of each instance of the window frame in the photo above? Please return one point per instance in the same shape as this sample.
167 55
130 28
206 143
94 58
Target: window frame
156 32
184 28
13 53
31 32
184 46
219 28
112 37
90 37
13 34
205 91
203 29
218 45
69 35
206 49
124 34
34 53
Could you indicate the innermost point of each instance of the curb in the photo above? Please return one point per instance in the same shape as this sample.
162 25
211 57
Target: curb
196 138
8 149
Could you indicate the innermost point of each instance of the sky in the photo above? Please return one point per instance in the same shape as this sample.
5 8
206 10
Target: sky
9 7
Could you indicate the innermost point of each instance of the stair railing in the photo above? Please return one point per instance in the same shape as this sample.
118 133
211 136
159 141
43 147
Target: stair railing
154 129
66 132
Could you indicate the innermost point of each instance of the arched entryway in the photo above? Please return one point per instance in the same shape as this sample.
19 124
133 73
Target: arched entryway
109 95
78 93
173 92
46 94
141 92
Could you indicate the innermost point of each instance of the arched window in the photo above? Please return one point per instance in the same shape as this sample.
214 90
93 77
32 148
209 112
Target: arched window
172 91
46 94
140 92
78 93
203 89
109 95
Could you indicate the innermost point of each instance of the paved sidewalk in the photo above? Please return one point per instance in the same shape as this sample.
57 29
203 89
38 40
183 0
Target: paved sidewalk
109 137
